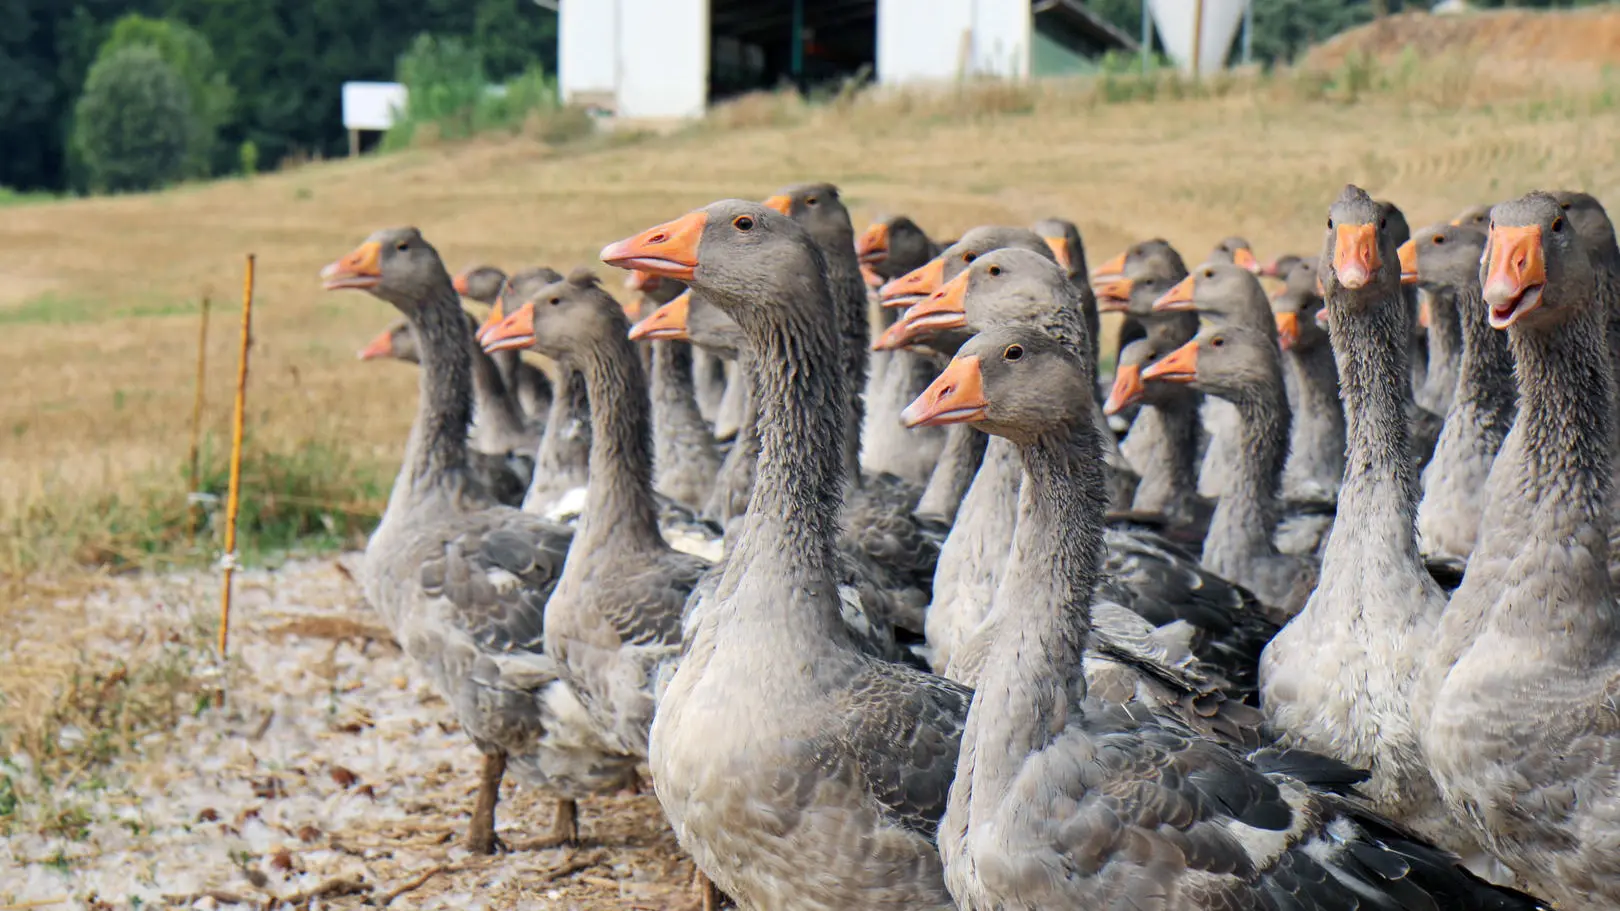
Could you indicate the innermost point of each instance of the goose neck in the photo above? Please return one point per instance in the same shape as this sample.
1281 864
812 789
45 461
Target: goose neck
1244 520
619 503
1378 498
1033 675
437 450
787 534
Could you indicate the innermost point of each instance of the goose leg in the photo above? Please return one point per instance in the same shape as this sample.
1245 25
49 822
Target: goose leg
481 838
705 895
711 894
565 825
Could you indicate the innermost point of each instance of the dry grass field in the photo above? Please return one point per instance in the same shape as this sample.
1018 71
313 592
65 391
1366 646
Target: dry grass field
99 298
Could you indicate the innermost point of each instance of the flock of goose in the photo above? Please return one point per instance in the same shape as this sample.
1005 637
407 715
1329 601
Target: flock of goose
1310 609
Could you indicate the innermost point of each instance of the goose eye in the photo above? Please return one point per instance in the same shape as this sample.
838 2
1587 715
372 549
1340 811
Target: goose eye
1209 273
1217 341
810 200
1013 352
402 246
1439 238
555 301
1330 222
1558 223
994 270
743 223
969 257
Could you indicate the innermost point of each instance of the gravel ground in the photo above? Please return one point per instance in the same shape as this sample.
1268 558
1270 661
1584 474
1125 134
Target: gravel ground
333 778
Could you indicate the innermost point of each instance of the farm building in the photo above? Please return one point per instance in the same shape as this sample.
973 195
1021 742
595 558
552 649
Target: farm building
670 58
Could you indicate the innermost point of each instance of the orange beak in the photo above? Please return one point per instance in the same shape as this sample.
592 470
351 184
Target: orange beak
669 249
1516 274
1456 222
870 276
460 283
1179 366
361 269
944 309
914 285
1128 389
667 323
1287 330
873 245
1179 299
1113 296
781 204
496 316
1244 257
516 331
381 346
640 280
1409 265
1355 255
1322 317
954 397
897 336
1060 250
1110 271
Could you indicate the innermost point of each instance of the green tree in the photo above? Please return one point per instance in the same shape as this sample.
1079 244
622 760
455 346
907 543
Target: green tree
133 124
187 51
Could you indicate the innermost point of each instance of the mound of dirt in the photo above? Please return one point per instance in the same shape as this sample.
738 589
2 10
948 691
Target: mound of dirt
1556 39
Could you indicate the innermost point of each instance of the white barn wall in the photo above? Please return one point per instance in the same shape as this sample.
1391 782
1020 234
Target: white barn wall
921 40
1001 36
587 48
664 57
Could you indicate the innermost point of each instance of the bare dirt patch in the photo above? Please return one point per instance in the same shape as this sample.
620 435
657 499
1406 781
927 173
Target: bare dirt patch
330 775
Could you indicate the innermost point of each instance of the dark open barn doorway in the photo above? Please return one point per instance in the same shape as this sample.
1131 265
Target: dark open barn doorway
752 44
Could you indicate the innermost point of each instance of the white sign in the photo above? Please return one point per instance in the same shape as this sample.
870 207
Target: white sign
372 105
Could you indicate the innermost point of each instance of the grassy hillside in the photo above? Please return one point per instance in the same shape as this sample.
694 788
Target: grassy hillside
99 298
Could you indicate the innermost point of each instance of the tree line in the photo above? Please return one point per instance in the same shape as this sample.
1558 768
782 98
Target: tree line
262 78
238 85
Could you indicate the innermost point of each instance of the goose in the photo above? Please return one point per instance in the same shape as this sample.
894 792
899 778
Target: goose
1154 256
1241 365
890 247
613 622
919 283
1236 251
461 580
1062 799
1339 679
1523 735
901 549
561 464
483 284
1446 258
1146 576
796 769
1166 435
686 456
877 618
506 472
1315 465
1229 295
